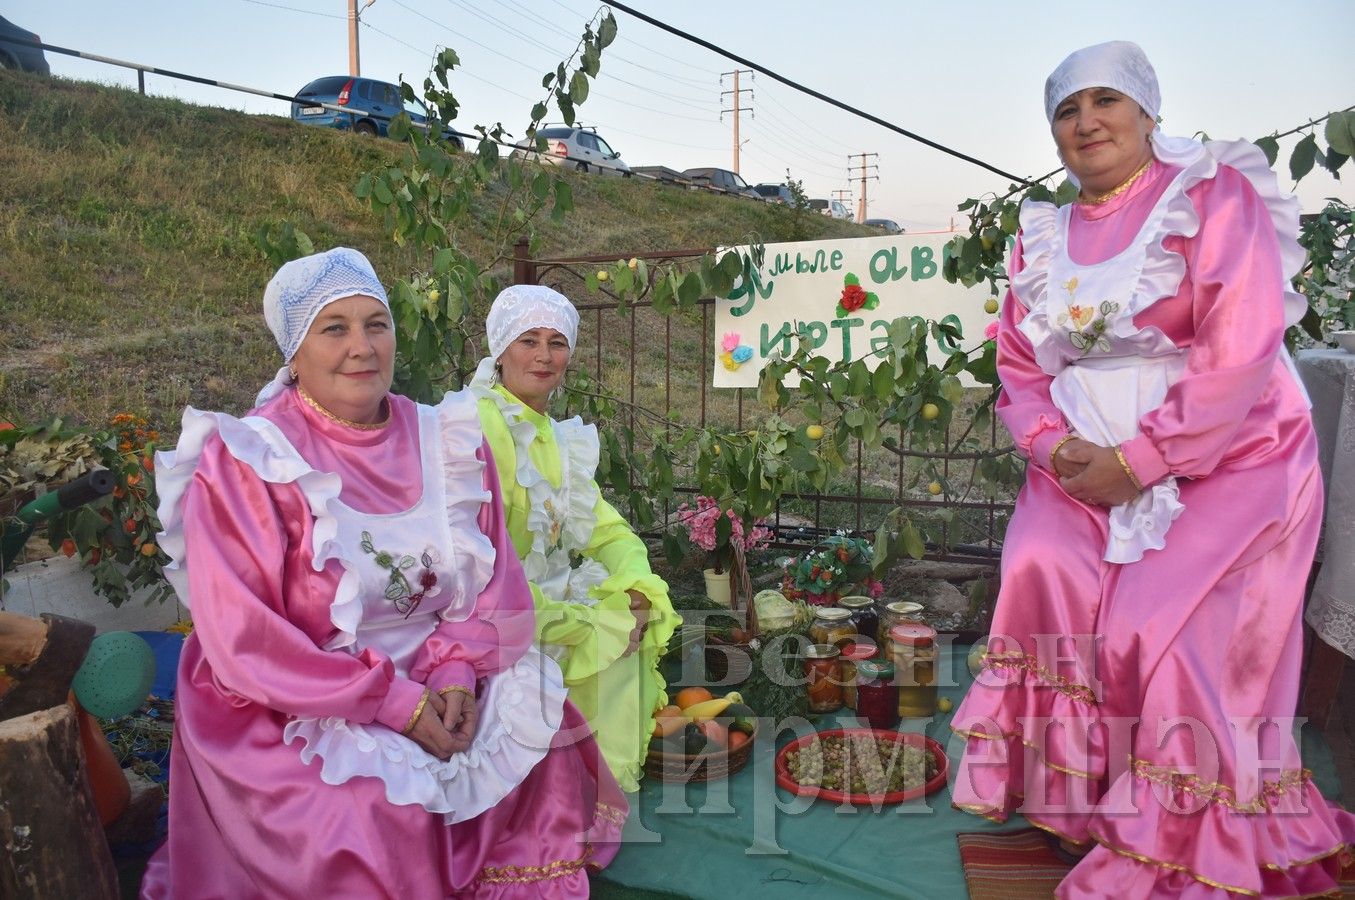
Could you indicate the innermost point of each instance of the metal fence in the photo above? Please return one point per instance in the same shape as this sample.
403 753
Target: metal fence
665 363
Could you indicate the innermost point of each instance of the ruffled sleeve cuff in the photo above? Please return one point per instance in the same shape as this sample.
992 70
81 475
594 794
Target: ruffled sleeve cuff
453 672
1143 457
399 704
612 625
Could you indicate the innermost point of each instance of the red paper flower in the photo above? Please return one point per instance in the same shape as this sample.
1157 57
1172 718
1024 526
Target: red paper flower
853 297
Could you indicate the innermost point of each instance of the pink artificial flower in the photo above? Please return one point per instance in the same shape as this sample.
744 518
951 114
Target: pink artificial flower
990 333
875 588
731 342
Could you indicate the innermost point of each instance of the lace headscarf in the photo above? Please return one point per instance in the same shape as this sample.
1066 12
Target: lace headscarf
522 307
303 287
1119 65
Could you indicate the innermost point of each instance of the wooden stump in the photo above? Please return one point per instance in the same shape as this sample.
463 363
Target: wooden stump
54 847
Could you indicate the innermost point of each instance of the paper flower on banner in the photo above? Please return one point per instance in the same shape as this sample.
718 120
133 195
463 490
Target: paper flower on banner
735 354
990 333
854 297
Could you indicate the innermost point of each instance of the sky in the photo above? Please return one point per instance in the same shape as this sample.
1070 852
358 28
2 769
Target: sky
966 75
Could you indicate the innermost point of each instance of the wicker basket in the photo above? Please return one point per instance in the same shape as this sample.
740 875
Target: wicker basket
707 767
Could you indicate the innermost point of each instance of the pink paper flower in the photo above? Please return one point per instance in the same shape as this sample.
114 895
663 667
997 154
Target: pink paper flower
990 333
730 342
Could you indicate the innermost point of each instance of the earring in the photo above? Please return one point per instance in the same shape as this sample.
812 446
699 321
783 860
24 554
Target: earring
291 373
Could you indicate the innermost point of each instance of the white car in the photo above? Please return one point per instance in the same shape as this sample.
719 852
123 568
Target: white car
834 208
574 147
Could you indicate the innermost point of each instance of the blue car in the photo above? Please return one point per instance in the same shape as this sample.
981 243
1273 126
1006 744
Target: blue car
374 104
20 56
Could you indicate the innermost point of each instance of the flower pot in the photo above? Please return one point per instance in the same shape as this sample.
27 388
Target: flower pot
717 586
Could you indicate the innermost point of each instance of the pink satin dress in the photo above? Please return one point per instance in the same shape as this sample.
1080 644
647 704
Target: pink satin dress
255 810
1145 708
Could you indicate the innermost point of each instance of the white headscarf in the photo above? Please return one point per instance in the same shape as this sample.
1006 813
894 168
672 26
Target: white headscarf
521 307
303 287
1119 65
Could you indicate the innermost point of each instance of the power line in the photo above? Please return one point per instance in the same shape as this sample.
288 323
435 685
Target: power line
813 93
309 12
644 46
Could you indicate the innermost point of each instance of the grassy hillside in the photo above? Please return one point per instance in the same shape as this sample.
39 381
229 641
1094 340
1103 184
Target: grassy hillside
129 276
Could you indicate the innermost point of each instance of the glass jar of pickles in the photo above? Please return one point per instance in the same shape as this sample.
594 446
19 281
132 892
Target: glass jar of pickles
877 699
864 615
823 678
832 625
914 652
852 655
894 613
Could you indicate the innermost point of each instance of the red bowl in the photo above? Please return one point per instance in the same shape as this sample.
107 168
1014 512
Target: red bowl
935 783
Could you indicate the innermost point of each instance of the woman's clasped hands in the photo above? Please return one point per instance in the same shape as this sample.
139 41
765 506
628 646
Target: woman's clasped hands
446 724
1093 474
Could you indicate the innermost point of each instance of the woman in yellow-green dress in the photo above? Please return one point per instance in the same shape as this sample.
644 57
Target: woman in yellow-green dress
602 613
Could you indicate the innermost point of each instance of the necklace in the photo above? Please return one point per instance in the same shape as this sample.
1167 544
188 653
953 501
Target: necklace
1118 189
361 426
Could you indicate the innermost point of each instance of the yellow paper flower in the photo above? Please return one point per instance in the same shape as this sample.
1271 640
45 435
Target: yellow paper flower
728 359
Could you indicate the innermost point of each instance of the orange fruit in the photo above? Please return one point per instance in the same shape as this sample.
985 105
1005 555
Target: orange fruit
68 547
737 739
692 695
668 720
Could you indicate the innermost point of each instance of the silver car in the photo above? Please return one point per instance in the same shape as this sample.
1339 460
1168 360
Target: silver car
574 148
835 208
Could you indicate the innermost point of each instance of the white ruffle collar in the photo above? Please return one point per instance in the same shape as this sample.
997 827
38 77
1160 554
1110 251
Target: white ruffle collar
1044 234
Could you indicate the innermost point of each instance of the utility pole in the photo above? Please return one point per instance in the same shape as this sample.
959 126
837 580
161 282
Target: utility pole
353 13
844 197
737 110
864 170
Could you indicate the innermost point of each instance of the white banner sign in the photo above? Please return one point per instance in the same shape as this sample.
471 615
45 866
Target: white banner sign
842 294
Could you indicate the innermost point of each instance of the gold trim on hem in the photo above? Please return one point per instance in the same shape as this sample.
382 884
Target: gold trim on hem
1276 867
1071 689
1175 867
1077 773
610 814
560 868
983 812
1059 834
1222 794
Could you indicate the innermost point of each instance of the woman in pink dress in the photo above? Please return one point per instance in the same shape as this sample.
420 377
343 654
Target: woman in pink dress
1141 679
360 708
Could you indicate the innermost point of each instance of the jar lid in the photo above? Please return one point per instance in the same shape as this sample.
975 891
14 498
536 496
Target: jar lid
913 633
860 649
832 614
875 670
822 651
904 607
856 602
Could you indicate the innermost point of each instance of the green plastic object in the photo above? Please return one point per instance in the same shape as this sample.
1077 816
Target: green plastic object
116 676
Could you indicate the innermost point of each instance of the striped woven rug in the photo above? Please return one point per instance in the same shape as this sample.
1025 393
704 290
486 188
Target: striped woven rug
1019 865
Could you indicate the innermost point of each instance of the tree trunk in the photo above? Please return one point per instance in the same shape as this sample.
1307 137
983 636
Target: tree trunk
54 845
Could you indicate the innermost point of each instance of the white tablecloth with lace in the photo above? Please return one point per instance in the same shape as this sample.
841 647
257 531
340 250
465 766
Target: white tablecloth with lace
1329 376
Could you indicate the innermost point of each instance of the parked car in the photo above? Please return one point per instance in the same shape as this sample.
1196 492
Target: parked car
721 180
20 56
374 103
834 208
775 193
574 147
889 225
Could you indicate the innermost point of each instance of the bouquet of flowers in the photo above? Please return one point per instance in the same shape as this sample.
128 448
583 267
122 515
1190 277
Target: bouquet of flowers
837 567
719 532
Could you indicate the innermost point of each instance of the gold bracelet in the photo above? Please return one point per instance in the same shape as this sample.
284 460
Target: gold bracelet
418 711
1058 445
1124 464
457 689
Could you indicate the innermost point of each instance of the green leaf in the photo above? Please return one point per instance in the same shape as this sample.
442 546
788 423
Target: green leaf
564 196
1304 155
1270 147
541 186
443 259
1339 135
689 292
969 254
850 278
566 107
607 31
882 382
382 192
547 81
801 460
673 550
364 188
539 110
1065 194
912 542
578 88
592 60
662 297
951 389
